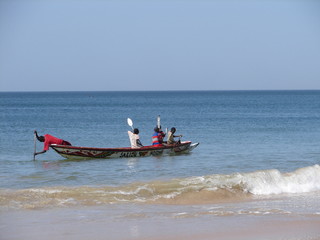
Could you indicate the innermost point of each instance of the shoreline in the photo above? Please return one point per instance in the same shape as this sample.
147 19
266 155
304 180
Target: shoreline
210 189
295 217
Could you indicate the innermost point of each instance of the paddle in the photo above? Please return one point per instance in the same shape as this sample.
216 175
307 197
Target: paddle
159 125
130 123
35 146
158 121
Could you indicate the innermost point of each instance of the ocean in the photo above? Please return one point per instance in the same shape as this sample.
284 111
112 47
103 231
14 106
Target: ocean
257 165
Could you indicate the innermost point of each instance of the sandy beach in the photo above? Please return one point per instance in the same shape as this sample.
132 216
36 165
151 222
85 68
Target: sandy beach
93 223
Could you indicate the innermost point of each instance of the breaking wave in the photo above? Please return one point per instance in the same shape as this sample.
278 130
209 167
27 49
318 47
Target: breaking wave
193 190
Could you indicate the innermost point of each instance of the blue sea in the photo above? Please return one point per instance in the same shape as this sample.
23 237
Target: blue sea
256 147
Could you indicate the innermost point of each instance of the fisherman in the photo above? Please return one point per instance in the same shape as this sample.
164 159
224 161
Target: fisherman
171 136
155 138
134 138
48 140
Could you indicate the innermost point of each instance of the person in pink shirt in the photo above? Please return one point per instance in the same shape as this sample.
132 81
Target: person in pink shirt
48 140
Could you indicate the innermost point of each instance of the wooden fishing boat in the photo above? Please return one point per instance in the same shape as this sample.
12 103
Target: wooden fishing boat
73 152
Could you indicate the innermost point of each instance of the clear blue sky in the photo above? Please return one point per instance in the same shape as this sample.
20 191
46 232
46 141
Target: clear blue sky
52 45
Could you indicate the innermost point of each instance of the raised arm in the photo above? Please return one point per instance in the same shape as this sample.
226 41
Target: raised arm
36 133
37 153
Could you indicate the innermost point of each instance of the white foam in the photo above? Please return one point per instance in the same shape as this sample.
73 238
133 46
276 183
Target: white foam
274 182
45 191
264 182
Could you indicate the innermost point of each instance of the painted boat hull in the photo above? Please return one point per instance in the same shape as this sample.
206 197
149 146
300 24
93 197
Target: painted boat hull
73 152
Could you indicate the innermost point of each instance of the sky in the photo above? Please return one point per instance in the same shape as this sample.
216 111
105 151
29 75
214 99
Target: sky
128 45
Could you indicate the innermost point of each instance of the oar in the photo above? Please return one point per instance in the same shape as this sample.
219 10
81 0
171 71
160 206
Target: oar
158 121
35 146
130 123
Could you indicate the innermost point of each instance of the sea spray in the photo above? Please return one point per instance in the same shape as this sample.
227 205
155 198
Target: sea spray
263 182
302 180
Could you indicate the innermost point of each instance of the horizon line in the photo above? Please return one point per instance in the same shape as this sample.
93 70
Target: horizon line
219 90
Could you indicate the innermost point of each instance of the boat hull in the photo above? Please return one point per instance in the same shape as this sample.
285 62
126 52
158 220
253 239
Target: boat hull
73 152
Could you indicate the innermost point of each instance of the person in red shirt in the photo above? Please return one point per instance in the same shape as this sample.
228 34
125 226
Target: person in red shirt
48 140
157 137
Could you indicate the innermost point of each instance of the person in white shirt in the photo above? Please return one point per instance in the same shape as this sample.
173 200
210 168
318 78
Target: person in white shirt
171 136
134 138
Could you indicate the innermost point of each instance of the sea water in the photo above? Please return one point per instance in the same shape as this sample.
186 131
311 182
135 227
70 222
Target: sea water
254 146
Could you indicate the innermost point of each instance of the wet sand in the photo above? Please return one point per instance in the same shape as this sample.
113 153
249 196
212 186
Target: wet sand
278 217
155 223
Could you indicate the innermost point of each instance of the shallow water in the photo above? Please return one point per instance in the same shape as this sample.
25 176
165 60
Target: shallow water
238 131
